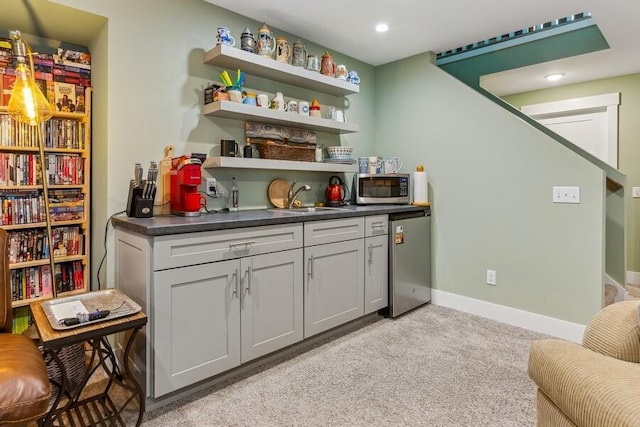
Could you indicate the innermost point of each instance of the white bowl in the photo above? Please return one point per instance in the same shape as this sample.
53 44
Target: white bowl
339 152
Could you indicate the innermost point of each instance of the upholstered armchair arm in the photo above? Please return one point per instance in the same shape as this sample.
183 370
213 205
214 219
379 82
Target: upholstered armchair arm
614 332
589 388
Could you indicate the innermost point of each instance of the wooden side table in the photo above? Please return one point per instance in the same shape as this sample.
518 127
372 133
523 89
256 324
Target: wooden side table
99 409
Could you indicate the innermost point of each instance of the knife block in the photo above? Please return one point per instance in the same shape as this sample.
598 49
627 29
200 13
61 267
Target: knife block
138 206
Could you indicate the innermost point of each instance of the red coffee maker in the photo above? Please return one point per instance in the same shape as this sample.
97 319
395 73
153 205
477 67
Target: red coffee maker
186 175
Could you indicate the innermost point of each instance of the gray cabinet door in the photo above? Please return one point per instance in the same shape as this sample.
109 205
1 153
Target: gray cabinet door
334 285
271 307
196 331
376 273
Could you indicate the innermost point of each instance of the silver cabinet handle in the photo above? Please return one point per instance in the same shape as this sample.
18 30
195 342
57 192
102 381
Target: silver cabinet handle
310 267
235 290
245 244
378 226
249 274
370 253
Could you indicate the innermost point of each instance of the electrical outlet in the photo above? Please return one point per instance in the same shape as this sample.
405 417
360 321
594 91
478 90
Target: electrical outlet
211 187
491 277
566 194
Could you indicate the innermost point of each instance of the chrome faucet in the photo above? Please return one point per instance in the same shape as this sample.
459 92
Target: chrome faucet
293 195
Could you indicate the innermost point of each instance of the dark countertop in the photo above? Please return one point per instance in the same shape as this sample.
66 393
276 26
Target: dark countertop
171 224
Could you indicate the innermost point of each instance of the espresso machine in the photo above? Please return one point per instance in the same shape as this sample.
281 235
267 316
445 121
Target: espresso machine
186 176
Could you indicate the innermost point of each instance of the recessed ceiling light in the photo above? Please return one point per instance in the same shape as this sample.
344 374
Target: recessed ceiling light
382 27
554 77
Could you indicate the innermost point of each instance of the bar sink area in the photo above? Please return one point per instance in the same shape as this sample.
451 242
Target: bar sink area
305 210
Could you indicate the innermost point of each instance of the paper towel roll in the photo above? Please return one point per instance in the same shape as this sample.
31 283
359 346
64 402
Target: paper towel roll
420 194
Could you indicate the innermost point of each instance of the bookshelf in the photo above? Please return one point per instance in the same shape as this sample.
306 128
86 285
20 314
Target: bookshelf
23 206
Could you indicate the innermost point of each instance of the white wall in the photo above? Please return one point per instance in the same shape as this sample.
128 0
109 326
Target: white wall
490 183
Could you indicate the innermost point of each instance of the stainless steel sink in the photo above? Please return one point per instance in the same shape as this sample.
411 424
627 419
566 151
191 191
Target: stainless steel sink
309 210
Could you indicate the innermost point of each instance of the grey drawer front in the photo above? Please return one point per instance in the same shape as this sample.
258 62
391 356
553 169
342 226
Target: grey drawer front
376 225
181 250
336 230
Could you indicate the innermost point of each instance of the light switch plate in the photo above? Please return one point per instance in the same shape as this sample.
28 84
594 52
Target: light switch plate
635 192
566 194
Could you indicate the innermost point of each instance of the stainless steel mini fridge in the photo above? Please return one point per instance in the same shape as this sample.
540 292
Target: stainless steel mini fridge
409 261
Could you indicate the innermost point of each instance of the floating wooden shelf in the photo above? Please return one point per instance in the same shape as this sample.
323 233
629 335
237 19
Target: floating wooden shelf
232 58
242 163
236 110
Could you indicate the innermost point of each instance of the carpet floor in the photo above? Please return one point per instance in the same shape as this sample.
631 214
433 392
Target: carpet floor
431 367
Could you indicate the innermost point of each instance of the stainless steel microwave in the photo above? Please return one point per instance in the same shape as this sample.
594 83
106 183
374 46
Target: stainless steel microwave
382 188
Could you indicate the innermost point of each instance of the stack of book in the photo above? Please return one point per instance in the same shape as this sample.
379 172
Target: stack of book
63 75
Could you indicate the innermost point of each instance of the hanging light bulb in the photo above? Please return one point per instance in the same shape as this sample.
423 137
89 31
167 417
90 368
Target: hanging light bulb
27 104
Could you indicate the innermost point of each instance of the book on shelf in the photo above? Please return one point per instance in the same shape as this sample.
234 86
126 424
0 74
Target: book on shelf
65 96
68 276
67 241
28 245
73 58
7 87
30 282
65 169
21 207
22 319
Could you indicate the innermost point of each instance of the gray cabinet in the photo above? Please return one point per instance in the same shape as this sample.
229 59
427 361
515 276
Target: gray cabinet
334 273
196 331
376 273
213 317
271 303
216 299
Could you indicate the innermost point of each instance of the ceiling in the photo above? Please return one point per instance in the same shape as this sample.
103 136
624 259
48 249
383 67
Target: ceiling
417 26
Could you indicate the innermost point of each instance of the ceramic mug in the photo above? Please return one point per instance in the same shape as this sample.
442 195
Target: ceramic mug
292 106
363 164
228 148
262 100
303 108
235 95
338 116
341 72
312 63
225 37
375 165
394 163
250 99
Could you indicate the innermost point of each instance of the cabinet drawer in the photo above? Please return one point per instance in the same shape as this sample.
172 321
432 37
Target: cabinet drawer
321 232
376 225
208 246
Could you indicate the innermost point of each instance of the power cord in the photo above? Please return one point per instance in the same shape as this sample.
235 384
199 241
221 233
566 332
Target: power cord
106 229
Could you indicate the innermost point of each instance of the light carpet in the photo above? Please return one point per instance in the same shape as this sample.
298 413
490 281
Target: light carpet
431 367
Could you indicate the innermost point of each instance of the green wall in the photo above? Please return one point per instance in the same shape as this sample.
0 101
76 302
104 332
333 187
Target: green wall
628 145
490 174
490 182
149 80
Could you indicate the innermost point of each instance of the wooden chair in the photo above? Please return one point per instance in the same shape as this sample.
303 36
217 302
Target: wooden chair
24 384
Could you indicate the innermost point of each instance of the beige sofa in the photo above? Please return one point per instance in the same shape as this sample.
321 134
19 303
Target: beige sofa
596 384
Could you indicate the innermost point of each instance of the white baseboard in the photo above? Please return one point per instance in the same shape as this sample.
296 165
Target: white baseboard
633 278
512 316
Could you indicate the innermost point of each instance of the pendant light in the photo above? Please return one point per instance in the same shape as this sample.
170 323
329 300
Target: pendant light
27 103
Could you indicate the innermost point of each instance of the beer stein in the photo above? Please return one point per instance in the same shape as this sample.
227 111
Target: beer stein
283 50
266 44
312 63
327 66
225 37
299 54
248 41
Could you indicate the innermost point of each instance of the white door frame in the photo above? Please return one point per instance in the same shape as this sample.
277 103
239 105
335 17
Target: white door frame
607 103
